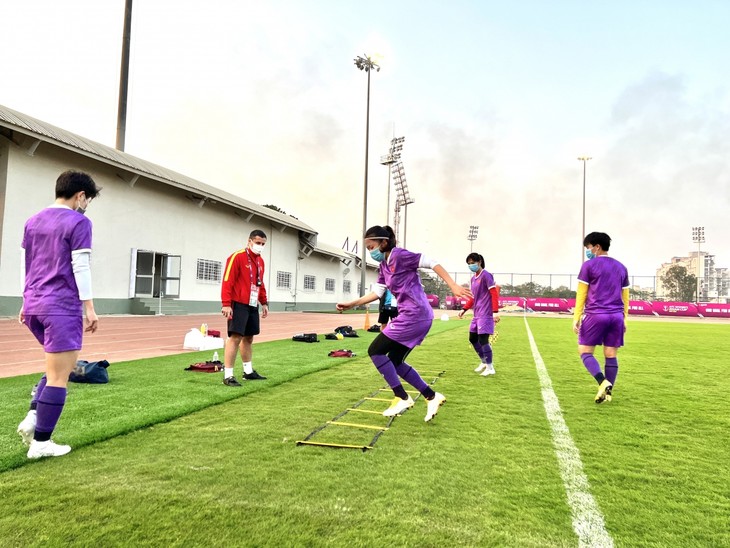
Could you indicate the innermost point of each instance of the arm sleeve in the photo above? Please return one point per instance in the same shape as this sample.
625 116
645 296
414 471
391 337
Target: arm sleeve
81 265
468 304
494 292
427 262
580 301
625 299
263 297
378 289
227 284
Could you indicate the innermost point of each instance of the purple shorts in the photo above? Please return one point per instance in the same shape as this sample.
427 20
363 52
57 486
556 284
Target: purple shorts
57 333
482 326
602 329
407 332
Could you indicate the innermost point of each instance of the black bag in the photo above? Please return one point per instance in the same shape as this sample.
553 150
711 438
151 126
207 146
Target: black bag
90 372
375 328
305 337
343 329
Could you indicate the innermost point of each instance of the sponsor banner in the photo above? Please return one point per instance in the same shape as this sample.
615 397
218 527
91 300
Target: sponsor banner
433 300
640 308
511 301
714 310
674 308
548 304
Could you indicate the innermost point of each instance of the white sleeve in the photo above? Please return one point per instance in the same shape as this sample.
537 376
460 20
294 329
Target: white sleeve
427 262
81 264
378 289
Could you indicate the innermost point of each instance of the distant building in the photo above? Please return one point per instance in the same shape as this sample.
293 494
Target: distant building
714 281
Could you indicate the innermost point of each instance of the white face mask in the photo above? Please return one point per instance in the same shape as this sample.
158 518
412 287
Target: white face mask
80 209
257 248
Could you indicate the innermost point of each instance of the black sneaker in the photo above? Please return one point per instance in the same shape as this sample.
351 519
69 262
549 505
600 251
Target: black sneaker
231 381
253 377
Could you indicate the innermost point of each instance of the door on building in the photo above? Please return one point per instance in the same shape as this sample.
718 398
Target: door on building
155 274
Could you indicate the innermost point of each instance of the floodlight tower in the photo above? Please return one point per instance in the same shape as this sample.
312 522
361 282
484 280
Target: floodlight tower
473 231
698 236
366 64
403 198
583 159
396 145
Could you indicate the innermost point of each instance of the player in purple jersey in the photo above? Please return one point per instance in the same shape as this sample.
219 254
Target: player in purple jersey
56 296
399 273
601 307
486 312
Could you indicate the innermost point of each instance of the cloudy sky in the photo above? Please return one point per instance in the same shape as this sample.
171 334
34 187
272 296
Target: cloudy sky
496 101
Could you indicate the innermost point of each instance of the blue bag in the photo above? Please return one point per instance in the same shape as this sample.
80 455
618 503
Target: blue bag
90 372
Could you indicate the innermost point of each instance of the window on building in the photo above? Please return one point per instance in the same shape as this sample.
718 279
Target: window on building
329 285
310 282
283 280
346 286
208 271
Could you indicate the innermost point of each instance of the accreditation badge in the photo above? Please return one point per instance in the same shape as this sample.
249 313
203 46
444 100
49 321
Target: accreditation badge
253 299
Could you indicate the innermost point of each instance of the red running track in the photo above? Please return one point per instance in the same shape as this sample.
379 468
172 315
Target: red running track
122 338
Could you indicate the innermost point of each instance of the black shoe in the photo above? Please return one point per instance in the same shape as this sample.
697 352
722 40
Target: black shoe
253 377
231 381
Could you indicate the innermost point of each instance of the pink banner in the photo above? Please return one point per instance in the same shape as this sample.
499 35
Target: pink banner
719 310
674 309
548 304
433 300
640 308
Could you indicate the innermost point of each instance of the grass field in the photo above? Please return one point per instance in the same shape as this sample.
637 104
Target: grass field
165 457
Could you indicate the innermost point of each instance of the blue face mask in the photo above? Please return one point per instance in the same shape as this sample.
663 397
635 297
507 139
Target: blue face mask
590 255
377 255
474 267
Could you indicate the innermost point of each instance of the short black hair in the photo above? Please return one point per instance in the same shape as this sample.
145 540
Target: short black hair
71 182
257 232
382 233
598 238
475 257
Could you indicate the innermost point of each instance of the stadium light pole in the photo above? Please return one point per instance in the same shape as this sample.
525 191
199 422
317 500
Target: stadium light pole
396 145
473 231
583 159
124 78
366 64
698 236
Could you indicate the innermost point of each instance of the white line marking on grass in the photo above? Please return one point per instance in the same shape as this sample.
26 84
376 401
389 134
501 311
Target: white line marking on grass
587 518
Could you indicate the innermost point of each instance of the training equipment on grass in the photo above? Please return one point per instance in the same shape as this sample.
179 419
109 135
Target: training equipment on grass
356 408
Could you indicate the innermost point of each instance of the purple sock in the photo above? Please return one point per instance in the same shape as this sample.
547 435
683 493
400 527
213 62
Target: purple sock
591 363
611 369
411 376
386 368
487 353
36 394
50 406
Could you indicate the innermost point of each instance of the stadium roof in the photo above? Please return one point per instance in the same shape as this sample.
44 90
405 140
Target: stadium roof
28 133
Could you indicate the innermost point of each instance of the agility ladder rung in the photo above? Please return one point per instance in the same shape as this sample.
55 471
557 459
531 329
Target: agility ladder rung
412 392
353 425
356 410
378 399
325 444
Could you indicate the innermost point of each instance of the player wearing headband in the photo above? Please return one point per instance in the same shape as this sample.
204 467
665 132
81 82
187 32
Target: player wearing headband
398 272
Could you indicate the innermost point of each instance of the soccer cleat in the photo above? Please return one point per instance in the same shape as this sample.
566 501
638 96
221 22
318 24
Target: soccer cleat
480 367
40 449
26 428
489 370
253 376
231 381
604 392
398 406
433 406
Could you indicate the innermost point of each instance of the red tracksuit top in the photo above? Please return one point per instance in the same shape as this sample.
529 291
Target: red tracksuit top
240 272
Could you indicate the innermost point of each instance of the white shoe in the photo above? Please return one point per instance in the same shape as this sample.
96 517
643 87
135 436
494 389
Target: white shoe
39 449
398 406
480 367
489 371
26 428
433 406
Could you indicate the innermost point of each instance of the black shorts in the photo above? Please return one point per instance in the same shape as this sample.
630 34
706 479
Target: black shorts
245 320
387 313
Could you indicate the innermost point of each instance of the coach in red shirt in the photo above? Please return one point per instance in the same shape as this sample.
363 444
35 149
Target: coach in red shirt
242 291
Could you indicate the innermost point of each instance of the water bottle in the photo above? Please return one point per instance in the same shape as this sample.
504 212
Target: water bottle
215 356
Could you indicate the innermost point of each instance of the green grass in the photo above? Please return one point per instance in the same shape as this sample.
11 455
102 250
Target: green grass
165 457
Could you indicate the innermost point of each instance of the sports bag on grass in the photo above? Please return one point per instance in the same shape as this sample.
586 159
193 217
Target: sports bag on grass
206 367
305 337
342 353
90 372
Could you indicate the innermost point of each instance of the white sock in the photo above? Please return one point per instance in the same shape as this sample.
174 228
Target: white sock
228 372
247 368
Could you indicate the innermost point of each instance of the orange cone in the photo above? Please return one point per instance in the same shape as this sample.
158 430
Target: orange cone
367 318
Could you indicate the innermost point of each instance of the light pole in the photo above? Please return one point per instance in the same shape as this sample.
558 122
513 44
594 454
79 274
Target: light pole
403 198
366 64
698 236
396 145
473 231
583 159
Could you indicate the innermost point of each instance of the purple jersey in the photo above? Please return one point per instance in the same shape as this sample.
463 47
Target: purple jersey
49 238
400 275
605 277
480 286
